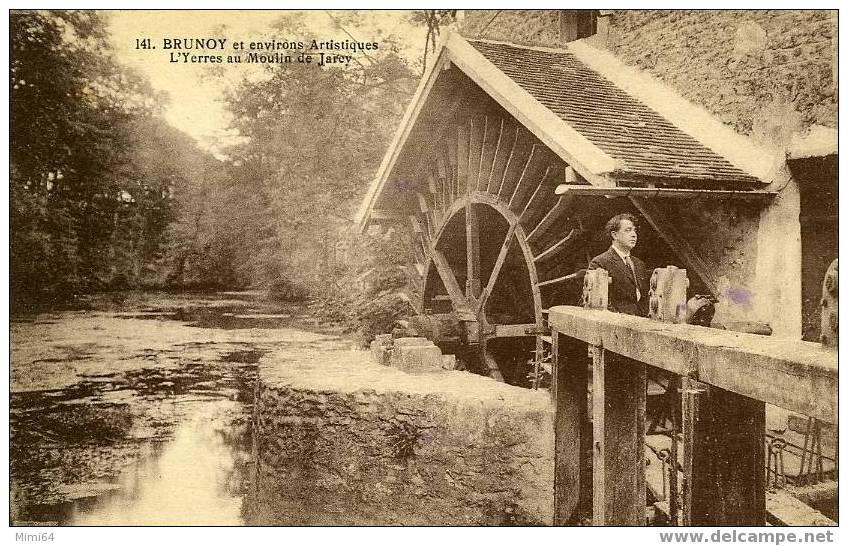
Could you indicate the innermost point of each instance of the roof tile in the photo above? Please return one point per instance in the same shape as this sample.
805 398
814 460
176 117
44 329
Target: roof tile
644 143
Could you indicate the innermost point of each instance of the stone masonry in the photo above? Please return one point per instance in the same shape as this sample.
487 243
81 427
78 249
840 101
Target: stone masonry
766 73
341 440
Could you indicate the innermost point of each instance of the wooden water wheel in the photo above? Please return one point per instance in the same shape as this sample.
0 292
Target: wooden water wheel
486 225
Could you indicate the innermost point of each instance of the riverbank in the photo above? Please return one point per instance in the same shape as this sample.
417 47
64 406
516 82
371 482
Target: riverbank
109 403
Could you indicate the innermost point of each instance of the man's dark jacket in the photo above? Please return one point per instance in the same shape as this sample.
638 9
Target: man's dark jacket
622 290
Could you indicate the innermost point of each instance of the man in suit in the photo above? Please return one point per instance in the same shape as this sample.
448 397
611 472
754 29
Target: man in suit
628 291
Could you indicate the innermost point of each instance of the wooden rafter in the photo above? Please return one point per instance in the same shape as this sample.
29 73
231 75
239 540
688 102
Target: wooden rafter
679 193
665 227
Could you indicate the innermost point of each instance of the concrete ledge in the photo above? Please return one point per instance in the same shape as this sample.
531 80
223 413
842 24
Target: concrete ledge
339 440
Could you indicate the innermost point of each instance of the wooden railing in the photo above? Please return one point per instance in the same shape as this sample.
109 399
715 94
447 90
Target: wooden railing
724 379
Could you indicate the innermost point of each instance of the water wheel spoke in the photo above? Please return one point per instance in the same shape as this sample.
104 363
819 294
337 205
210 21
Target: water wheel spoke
472 239
477 127
511 330
503 151
560 245
557 211
462 159
535 194
499 262
533 170
518 161
460 304
491 137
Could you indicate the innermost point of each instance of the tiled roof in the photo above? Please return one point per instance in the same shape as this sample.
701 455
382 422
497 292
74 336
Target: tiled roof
644 143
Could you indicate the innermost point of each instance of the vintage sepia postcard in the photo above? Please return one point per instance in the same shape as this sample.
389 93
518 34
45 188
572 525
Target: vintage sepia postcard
424 267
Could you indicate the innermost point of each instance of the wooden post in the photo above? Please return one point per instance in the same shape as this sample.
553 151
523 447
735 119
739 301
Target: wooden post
723 457
573 432
618 422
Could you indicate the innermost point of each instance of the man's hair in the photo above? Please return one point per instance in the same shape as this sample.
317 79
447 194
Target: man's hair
614 223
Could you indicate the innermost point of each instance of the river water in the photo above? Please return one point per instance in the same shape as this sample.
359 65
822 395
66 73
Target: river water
137 411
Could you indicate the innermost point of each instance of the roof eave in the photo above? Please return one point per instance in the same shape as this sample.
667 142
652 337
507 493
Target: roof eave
401 135
588 160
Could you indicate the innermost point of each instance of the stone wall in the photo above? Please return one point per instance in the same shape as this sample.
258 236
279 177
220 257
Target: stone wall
339 440
766 73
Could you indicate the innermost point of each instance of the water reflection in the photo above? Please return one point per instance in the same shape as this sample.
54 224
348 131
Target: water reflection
140 415
197 479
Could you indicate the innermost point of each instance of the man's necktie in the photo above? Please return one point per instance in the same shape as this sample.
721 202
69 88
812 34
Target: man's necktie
629 263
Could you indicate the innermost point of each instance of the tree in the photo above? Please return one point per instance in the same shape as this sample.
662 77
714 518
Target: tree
88 205
314 136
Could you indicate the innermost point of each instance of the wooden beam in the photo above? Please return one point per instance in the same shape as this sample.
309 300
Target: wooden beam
554 249
572 431
800 376
460 304
724 464
618 464
664 226
551 217
664 193
514 330
564 278
496 269
784 510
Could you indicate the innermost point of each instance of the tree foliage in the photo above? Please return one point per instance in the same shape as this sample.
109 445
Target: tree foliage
314 137
90 193
105 194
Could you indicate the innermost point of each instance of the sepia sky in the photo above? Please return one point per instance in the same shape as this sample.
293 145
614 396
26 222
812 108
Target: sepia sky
195 106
